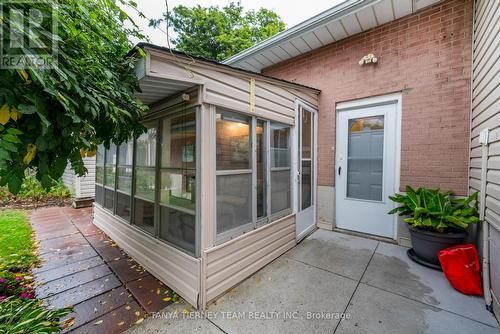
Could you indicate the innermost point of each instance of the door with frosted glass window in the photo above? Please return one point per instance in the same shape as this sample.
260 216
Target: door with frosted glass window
306 144
366 169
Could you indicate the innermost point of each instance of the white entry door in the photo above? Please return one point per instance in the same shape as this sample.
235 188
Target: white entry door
367 166
306 171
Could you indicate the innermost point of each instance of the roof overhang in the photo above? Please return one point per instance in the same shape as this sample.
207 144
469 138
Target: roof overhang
156 86
349 18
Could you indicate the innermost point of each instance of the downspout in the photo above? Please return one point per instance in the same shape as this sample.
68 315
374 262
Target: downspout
483 140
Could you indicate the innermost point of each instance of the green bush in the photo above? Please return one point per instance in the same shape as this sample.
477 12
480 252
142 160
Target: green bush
434 210
29 316
31 189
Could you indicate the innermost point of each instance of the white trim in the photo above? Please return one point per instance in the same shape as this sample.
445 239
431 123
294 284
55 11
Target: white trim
297 160
336 12
393 98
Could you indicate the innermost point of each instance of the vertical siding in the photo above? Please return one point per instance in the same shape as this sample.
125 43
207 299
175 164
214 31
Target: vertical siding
230 263
81 187
68 179
85 186
486 115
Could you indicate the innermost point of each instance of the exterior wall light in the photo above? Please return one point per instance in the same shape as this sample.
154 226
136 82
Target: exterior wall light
369 58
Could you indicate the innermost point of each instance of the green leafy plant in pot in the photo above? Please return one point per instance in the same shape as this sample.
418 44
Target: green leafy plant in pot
436 220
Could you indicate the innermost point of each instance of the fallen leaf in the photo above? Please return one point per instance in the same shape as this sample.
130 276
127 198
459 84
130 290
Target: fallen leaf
121 323
98 322
137 313
167 299
127 307
139 321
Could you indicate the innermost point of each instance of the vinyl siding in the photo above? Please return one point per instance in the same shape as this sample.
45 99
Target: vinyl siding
81 187
231 89
486 115
230 263
180 271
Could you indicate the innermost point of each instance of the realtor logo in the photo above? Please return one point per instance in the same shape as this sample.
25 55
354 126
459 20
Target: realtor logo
28 34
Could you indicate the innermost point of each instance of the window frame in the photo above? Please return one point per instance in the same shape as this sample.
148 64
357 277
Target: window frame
158 118
197 169
256 222
123 192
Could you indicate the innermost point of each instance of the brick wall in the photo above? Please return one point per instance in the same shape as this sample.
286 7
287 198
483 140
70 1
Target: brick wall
429 54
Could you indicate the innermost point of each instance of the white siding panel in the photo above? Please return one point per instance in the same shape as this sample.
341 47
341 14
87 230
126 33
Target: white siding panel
351 25
324 35
367 18
232 91
230 263
383 11
485 114
176 269
402 7
337 30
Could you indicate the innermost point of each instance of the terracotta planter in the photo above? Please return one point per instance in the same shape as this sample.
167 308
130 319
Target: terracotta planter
426 244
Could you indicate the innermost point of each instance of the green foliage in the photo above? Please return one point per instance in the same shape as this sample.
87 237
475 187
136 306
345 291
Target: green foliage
29 316
31 189
16 243
50 116
434 210
215 33
20 312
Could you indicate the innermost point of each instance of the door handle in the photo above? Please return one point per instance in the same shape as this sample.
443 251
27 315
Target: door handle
339 170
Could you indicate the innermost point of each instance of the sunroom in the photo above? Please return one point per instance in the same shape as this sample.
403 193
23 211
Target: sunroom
222 182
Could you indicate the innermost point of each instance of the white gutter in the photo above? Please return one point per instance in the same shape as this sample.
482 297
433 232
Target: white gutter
345 8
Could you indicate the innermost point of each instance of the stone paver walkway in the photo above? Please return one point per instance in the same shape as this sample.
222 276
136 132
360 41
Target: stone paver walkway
83 268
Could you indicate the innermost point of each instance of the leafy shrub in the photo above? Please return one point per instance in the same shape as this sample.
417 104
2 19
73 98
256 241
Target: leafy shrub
434 210
32 189
29 316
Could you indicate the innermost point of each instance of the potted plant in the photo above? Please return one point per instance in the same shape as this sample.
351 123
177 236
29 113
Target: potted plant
436 221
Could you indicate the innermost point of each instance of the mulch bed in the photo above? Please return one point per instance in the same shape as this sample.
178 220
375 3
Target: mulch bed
30 204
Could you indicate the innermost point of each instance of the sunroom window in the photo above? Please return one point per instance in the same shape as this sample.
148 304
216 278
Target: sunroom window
280 170
178 180
99 175
253 183
145 179
124 180
109 177
234 171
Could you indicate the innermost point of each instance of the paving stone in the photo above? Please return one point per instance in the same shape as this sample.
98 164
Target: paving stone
127 270
56 273
54 260
83 292
88 229
115 321
56 234
110 253
150 293
57 244
71 281
98 306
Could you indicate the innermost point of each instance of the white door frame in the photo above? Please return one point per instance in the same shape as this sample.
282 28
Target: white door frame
394 98
296 167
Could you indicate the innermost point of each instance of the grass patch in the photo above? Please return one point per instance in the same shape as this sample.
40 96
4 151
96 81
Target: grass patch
16 243
20 311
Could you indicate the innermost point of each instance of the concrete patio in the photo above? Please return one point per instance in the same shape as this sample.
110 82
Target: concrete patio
372 284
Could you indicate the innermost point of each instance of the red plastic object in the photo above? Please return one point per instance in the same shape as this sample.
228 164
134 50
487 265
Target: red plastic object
461 267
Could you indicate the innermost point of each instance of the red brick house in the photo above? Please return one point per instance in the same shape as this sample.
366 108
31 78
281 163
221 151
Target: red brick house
400 89
424 54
